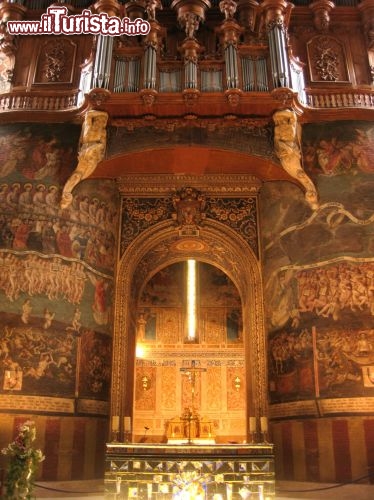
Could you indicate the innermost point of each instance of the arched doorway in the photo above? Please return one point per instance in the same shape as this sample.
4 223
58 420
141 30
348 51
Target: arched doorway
161 245
190 363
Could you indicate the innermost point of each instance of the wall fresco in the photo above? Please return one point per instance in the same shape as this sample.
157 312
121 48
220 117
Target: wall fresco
319 270
37 152
56 279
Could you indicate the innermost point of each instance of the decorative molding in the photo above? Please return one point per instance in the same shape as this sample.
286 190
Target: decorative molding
258 126
227 186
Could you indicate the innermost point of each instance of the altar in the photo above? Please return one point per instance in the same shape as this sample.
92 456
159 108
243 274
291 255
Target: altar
189 472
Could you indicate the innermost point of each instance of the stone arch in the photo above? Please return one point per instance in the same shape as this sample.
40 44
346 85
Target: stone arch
162 245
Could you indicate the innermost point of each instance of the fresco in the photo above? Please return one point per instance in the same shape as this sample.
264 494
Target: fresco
38 356
38 152
319 269
321 362
32 284
31 219
56 279
95 365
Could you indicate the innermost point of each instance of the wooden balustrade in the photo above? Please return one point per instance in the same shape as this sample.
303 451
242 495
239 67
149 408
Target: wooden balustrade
340 98
315 98
27 101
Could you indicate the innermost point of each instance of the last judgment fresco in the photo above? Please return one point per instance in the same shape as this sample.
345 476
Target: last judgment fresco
319 270
56 279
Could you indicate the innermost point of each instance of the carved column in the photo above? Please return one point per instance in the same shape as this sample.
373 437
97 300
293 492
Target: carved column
321 10
247 13
230 32
367 14
276 15
191 50
151 48
104 46
135 9
111 7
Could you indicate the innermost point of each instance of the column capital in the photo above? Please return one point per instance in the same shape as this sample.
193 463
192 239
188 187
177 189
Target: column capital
321 10
276 12
110 7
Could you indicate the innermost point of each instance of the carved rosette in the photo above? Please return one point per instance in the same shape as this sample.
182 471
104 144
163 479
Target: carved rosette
55 58
327 59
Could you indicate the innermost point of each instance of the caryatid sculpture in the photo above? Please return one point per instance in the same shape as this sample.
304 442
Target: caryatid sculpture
91 152
287 133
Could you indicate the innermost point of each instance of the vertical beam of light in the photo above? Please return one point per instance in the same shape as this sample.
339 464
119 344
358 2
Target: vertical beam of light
191 299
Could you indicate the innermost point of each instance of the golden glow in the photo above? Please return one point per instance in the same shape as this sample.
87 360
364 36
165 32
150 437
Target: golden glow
140 351
191 299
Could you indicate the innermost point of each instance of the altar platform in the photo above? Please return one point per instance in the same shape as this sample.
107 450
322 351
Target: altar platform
189 471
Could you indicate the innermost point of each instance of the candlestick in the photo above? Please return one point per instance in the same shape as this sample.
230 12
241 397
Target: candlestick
264 429
252 424
264 424
115 423
127 424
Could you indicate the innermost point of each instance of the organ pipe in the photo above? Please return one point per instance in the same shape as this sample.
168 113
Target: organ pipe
103 61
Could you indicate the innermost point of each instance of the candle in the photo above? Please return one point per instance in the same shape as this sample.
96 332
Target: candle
252 424
264 424
115 423
127 424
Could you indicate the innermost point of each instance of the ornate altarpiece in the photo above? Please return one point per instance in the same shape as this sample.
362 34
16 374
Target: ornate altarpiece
208 230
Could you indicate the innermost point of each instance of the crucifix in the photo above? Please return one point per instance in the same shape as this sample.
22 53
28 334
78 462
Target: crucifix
190 415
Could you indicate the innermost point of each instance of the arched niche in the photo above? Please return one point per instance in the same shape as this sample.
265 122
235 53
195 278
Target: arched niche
161 245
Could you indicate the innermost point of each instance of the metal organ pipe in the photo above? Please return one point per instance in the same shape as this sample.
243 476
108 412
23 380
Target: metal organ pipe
190 75
150 67
231 62
103 61
278 56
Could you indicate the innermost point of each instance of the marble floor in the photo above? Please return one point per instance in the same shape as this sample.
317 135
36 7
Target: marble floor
76 490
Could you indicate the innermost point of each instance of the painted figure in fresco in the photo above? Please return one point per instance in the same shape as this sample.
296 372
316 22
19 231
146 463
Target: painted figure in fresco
25 198
91 152
100 308
63 241
48 318
76 321
51 201
363 346
21 235
26 311
140 333
13 196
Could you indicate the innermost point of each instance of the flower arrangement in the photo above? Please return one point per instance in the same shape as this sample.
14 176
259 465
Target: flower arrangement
23 464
